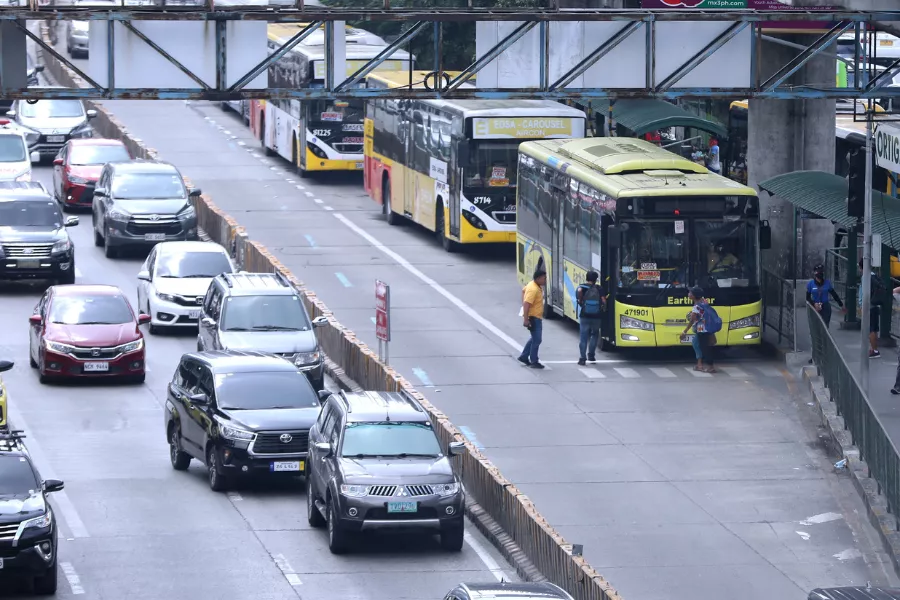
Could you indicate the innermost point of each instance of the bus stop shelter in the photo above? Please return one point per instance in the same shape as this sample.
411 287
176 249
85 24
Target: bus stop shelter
643 116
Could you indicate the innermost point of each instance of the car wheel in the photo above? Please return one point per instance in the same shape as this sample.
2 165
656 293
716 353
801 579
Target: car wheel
31 362
452 539
181 460
313 515
337 537
45 585
98 239
68 277
217 482
109 251
139 379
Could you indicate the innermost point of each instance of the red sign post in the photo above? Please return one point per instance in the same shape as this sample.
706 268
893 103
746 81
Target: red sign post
383 316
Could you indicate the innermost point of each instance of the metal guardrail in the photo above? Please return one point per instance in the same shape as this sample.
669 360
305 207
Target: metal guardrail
779 306
868 432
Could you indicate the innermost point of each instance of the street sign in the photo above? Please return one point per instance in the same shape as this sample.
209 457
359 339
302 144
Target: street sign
887 147
382 311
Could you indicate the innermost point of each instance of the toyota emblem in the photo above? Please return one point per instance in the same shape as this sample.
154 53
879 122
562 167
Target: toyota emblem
286 438
95 351
199 300
154 217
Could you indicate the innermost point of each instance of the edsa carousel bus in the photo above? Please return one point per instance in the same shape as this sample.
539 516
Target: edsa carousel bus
316 135
653 225
450 165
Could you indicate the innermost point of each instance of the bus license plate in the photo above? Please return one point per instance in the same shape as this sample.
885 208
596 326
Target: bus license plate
359 165
96 367
155 237
402 507
687 339
56 139
286 466
194 314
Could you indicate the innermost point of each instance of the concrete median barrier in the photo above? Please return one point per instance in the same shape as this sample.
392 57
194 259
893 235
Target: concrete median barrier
512 511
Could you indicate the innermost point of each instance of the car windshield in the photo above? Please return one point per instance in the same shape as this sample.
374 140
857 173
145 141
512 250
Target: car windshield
52 109
390 439
16 476
264 313
193 264
103 309
493 164
147 186
12 148
23 213
97 155
264 390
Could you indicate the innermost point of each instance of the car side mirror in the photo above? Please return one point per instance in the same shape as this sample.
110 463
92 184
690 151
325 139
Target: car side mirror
320 321
71 221
208 322
199 399
323 395
39 69
144 275
35 157
11 114
456 448
324 448
143 319
53 485
35 319
6 365
91 113
56 161
195 192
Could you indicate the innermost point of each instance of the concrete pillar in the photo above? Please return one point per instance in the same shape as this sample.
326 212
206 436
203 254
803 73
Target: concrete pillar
13 61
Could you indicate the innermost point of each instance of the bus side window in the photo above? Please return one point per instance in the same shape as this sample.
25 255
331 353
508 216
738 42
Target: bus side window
570 235
526 217
596 248
546 214
420 153
583 257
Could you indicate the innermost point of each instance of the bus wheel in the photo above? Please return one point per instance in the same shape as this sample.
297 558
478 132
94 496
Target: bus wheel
262 135
298 164
439 228
606 346
390 216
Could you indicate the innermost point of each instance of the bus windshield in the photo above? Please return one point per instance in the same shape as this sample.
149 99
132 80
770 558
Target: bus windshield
653 255
725 254
328 111
493 164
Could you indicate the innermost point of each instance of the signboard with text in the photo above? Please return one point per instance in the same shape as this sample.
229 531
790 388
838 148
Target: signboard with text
382 311
526 127
793 26
887 147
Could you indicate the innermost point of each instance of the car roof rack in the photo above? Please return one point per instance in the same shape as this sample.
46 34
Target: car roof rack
11 440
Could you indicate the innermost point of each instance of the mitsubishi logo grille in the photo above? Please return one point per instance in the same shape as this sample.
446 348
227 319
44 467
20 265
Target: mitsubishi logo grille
401 491
286 438
95 352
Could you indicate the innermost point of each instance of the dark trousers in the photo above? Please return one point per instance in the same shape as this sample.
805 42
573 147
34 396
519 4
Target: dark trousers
707 348
825 313
589 336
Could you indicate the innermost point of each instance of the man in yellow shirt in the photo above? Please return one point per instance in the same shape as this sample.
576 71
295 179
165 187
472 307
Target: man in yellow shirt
533 318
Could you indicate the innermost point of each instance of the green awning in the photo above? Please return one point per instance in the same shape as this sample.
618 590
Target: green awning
825 194
645 116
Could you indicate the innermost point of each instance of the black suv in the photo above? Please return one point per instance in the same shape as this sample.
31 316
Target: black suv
240 413
34 243
376 464
28 532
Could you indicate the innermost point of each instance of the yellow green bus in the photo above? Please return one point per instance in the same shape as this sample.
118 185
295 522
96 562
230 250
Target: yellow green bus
652 224
450 165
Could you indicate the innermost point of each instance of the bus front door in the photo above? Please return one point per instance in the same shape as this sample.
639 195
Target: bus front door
557 288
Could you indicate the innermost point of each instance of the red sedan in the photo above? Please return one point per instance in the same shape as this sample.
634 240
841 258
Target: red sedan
86 331
77 167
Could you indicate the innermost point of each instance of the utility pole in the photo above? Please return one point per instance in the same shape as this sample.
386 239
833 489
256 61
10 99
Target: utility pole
866 277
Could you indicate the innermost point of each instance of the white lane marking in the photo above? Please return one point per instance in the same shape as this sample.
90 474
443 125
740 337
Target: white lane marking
78 272
300 187
318 201
293 579
328 208
72 577
60 499
234 497
697 373
241 144
848 554
485 557
822 518
573 362
803 535
465 308
734 372
289 180
309 194
286 569
226 132
770 371
626 373
662 372
273 168
592 373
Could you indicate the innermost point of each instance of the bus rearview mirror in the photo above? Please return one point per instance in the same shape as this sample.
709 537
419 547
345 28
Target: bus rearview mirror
614 235
462 154
765 235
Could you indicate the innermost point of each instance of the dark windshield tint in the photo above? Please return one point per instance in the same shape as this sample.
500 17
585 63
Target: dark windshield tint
12 148
51 109
30 214
147 186
264 313
99 310
16 476
97 155
493 165
264 390
193 264
389 439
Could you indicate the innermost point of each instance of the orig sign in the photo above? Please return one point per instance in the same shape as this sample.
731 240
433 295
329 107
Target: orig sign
887 147
527 127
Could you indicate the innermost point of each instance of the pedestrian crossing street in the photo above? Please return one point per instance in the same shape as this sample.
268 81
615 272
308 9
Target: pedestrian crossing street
604 371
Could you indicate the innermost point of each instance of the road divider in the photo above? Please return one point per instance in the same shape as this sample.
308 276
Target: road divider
505 514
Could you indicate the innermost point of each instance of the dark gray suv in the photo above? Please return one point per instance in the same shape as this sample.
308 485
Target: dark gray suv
375 464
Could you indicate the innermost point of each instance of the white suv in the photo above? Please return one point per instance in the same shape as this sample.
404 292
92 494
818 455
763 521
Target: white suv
15 160
173 281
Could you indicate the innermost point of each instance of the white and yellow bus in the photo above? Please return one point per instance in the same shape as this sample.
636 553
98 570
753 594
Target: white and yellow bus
652 224
450 165
316 135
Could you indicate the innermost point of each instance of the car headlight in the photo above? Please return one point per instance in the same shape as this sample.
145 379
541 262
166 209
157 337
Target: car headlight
117 215
131 346
187 213
82 131
78 180
62 246
165 297
307 358
42 522
59 348
631 323
354 491
446 489
26 176
230 432
752 321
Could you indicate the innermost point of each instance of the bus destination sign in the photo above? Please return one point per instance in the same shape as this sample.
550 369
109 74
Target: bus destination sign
526 127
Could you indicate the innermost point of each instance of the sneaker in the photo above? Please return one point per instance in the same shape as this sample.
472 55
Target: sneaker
895 390
524 360
592 359
581 362
536 365
874 354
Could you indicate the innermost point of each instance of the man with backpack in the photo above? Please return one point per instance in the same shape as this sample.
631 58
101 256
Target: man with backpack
706 323
591 302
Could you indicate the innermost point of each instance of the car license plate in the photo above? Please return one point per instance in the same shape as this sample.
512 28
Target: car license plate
155 237
402 507
359 165
29 264
96 367
687 339
56 139
194 314
282 466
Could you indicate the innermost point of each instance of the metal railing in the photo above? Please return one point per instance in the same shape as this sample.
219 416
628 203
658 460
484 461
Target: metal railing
867 431
778 296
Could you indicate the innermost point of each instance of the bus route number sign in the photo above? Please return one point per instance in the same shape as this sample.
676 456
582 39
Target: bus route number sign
382 311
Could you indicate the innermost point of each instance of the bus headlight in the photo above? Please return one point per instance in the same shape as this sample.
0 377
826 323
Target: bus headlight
319 153
473 220
632 323
745 322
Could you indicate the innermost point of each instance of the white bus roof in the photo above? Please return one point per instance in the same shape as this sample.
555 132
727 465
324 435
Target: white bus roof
508 108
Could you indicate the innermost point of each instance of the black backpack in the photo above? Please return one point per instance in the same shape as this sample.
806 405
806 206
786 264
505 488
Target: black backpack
878 291
591 302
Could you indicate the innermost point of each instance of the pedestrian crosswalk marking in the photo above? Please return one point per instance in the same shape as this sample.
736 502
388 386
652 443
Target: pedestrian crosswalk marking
734 371
662 372
770 371
592 373
697 373
627 373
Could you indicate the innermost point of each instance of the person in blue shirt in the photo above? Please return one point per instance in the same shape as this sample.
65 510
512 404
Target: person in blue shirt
817 292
